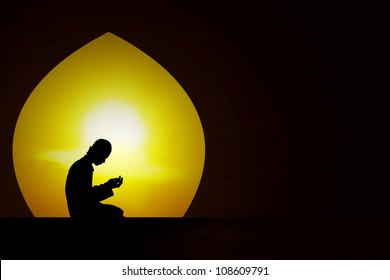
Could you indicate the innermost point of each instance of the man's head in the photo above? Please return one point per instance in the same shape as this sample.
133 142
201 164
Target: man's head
99 151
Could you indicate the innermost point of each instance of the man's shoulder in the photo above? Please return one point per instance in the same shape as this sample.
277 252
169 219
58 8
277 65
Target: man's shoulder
82 164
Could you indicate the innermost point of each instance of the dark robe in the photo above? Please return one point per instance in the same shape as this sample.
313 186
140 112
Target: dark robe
84 199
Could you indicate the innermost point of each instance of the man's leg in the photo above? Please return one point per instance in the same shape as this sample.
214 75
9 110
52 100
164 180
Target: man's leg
110 211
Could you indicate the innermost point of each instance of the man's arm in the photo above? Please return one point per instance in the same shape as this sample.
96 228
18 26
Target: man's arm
101 192
104 191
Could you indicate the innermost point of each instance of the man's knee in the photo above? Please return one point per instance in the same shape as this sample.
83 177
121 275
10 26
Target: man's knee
114 211
118 211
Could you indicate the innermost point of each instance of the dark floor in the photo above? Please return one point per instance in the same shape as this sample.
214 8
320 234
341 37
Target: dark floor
197 238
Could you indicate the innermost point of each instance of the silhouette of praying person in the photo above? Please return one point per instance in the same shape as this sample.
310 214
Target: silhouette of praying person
82 197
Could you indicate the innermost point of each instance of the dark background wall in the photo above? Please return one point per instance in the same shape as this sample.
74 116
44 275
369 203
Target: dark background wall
280 89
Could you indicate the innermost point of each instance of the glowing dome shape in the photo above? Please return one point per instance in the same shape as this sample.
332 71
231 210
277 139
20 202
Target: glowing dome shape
110 89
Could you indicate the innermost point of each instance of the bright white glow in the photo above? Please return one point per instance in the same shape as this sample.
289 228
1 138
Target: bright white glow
118 123
124 128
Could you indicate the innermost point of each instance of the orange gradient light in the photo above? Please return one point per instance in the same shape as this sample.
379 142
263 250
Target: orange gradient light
110 89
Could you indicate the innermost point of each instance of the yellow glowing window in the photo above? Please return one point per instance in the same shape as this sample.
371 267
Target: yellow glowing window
110 89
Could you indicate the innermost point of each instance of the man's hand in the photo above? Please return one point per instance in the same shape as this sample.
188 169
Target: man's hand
115 182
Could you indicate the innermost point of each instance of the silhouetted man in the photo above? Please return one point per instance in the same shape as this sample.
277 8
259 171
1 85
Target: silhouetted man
83 198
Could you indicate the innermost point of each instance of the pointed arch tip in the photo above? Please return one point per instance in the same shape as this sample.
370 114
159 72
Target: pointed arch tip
112 35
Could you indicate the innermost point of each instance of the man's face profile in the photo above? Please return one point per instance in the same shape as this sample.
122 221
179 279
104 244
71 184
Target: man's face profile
100 159
100 151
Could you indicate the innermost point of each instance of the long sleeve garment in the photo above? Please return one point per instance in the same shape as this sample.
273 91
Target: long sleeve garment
81 196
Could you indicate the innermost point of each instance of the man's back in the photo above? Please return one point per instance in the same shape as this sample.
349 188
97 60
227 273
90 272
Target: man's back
82 198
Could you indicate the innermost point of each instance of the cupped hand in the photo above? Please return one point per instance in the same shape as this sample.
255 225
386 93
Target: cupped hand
115 182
